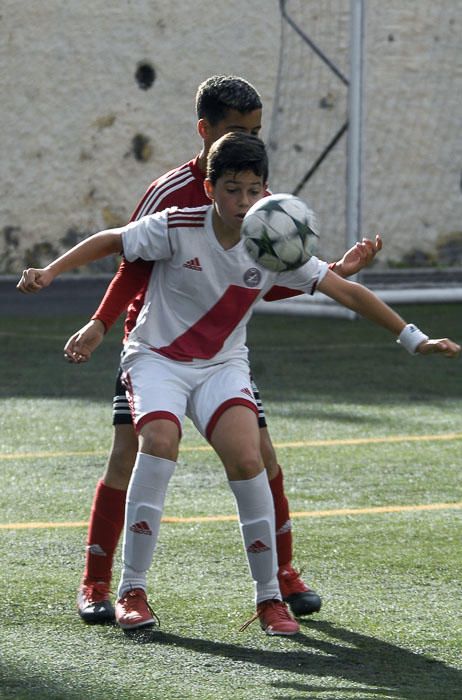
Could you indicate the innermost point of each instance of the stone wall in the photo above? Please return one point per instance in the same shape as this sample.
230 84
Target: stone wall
98 99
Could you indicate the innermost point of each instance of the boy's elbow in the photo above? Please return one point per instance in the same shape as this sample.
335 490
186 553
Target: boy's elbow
115 244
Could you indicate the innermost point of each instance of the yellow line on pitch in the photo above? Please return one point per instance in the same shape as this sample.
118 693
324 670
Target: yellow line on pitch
336 512
278 445
370 441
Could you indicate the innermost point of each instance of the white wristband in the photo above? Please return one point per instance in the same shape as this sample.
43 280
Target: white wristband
411 337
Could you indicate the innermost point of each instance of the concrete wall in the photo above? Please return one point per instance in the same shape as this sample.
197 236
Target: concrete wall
82 138
413 144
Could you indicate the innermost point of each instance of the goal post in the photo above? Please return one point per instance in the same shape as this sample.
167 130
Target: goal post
355 124
365 128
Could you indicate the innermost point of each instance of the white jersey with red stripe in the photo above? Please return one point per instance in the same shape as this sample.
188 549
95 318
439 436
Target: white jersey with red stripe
200 296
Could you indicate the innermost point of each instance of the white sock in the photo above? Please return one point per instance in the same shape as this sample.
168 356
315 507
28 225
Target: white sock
257 522
143 512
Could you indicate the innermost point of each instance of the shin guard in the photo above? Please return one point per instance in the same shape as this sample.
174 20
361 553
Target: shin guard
144 506
256 519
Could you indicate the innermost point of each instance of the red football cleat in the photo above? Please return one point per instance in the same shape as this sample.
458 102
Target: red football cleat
275 619
301 599
133 611
93 604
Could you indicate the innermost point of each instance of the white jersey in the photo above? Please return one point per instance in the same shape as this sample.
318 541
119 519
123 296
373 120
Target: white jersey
200 296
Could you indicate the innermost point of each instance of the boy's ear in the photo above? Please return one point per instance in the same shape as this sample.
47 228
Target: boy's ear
209 188
202 128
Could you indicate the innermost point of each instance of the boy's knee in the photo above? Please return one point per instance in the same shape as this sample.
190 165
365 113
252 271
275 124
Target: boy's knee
125 440
248 466
159 441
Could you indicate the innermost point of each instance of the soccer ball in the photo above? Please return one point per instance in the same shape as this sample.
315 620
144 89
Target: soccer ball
279 232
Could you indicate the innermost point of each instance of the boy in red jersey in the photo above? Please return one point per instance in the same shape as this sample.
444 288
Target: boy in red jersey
173 367
223 104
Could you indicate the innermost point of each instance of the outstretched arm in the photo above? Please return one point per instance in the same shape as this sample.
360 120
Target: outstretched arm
360 299
97 246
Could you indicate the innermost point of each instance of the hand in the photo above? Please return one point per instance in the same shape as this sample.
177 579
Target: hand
445 346
359 256
80 346
34 279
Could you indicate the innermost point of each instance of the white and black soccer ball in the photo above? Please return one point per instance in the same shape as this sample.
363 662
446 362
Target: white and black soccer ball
279 232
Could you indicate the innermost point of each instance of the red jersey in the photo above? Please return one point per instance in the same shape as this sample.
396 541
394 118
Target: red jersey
181 187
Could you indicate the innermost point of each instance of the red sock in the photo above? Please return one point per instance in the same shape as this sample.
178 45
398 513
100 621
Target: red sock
106 523
283 523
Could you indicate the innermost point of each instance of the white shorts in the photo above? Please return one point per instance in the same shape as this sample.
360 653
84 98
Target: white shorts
159 388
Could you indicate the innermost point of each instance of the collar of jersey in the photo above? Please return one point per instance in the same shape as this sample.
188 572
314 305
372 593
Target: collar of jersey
213 239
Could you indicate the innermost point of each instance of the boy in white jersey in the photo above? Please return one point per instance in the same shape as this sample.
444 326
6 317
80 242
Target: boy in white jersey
189 343
223 104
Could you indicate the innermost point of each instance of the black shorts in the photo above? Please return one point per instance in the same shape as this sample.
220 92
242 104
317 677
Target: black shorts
121 414
261 410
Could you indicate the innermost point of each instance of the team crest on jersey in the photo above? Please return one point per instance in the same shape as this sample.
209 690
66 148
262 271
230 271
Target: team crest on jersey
252 277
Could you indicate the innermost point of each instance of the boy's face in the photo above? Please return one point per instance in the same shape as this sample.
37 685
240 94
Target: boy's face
249 123
234 194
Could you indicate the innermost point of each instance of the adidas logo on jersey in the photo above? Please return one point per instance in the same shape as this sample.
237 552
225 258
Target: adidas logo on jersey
141 528
257 547
247 391
193 264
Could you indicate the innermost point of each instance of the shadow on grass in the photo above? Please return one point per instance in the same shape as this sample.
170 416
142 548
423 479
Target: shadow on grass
16 684
374 666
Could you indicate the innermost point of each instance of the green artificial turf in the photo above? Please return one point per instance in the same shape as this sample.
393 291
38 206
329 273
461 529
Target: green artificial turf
359 426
